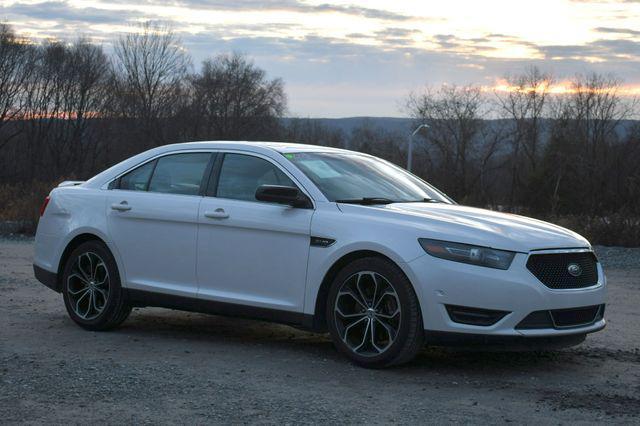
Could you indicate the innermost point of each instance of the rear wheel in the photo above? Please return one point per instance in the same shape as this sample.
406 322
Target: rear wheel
373 314
91 288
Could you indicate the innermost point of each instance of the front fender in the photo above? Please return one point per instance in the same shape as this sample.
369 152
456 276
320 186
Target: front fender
355 232
320 263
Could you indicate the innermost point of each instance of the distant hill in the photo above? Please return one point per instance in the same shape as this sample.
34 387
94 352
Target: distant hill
404 126
348 124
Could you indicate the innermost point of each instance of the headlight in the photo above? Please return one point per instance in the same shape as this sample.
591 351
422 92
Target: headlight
465 253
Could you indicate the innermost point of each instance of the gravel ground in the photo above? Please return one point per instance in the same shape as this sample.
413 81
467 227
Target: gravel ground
166 366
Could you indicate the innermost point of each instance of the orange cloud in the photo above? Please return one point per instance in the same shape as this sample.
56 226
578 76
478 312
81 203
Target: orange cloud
560 88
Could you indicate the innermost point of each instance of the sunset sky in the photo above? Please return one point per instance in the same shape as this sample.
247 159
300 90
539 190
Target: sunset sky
357 58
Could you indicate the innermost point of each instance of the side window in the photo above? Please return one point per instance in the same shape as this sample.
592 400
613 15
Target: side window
137 179
241 175
179 173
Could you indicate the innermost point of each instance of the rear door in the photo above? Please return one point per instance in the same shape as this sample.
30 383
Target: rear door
152 215
251 252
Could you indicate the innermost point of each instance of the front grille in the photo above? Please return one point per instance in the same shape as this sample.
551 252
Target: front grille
553 269
562 318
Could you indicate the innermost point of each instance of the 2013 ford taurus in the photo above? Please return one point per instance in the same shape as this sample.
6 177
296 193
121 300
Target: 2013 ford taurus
314 237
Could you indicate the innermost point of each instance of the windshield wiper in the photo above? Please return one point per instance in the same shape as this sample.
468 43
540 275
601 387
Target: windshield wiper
367 201
424 200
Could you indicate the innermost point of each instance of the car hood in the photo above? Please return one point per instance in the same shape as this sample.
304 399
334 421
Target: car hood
482 227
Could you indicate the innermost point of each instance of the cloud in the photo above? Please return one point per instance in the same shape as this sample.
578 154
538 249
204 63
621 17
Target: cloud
605 1
63 11
624 31
396 32
607 48
603 49
291 6
362 11
341 59
447 41
490 45
358 36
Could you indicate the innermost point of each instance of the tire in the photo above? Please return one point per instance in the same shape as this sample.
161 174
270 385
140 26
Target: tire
365 294
91 288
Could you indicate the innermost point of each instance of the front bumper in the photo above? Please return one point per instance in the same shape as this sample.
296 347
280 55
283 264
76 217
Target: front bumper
517 291
488 342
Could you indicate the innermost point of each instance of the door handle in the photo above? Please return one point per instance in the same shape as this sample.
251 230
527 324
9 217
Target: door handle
217 214
122 207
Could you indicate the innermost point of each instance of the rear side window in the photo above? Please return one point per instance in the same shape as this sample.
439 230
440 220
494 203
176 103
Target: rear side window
241 175
137 179
179 174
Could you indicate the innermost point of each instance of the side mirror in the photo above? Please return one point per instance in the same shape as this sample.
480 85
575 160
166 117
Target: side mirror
288 195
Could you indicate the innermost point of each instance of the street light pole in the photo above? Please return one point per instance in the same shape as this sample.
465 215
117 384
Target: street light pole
410 150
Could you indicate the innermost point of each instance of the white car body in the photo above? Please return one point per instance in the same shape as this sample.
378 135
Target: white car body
257 261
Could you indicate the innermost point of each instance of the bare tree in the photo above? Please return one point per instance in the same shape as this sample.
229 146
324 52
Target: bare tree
64 94
627 173
313 132
86 103
233 99
377 141
455 118
149 70
493 138
44 114
16 57
524 104
585 133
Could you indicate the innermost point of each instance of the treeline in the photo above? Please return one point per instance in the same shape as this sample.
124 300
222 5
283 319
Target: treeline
575 152
69 110
569 156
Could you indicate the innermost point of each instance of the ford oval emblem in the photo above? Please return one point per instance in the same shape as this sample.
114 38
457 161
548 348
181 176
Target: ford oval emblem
574 269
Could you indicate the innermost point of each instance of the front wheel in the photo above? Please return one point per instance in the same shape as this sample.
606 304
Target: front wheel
91 288
373 314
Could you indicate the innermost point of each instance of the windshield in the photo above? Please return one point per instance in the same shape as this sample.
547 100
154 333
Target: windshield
349 177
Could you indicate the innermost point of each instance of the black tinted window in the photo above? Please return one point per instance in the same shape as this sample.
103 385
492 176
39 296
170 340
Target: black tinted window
241 175
137 179
179 173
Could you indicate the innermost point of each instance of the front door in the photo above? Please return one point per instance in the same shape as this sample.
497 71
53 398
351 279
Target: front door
250 252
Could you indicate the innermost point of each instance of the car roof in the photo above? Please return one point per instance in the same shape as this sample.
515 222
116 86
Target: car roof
281 147
266 148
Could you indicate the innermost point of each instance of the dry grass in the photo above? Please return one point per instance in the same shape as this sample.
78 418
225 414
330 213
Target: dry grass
21 203
617 229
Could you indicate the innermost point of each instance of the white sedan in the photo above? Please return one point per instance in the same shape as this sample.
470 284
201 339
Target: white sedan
318 238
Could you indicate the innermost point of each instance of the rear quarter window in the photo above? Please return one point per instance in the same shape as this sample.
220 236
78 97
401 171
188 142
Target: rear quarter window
137 179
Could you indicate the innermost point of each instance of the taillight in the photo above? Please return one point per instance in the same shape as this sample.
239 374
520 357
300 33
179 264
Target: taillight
44 205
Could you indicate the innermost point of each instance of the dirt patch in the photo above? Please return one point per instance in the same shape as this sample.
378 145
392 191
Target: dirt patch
612 405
